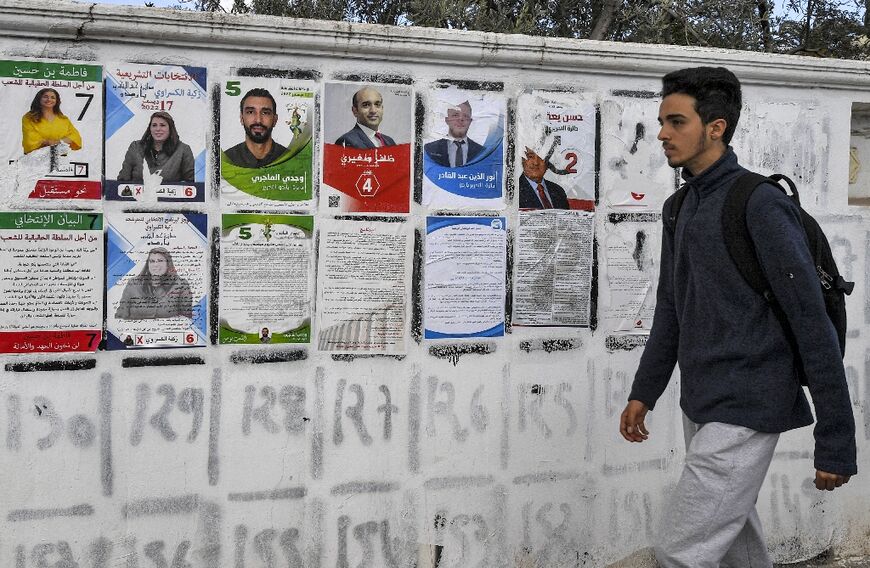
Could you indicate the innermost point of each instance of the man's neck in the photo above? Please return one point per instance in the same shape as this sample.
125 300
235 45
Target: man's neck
366 130
703 161
259 150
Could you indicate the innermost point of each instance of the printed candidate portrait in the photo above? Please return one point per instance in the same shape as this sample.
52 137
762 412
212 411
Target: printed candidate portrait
463 150
367 142
156 117
156 280
52 144
555 152
266 139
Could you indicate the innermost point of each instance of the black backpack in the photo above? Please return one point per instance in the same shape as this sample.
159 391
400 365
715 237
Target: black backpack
742 252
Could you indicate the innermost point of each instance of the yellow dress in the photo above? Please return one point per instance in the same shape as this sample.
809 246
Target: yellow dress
33 133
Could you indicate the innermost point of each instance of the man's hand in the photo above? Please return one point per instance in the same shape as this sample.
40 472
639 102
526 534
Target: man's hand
829 481
631 424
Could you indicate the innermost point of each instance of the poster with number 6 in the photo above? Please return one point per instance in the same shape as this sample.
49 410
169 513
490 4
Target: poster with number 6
156 117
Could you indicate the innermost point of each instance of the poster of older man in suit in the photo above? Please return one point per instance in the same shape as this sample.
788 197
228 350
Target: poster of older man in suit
555 151
556 197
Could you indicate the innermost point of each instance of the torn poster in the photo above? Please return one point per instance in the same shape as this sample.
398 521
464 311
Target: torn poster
52 146
556 152
553 276
156 280
636 176
631 265
463 154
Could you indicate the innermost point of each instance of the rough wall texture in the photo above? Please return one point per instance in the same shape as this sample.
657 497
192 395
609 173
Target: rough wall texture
496 453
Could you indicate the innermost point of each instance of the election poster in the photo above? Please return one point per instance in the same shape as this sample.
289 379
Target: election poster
156 280
631 261
553 268
556 152
156 117
465 277
51 281
637 176
463 153
266 143
266 278
367 136
52 144
364 281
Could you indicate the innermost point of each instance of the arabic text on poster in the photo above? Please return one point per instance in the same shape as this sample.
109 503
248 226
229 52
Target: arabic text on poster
463 153
367 135
51 283
553 277
465 277
631 266
52 147
266 278
556 152
266 143
364 274
156 117
156 280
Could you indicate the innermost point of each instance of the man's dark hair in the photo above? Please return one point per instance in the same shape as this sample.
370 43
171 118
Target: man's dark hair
258 92
716 91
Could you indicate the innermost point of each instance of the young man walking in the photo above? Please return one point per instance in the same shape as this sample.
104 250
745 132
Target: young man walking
739 388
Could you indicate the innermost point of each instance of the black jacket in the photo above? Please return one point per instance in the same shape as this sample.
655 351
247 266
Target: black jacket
736 365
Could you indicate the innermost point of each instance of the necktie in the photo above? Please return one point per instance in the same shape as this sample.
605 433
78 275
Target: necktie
542 195
460 161
381 138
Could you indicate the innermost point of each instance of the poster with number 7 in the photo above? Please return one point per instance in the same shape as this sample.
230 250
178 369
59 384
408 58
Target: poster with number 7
52 144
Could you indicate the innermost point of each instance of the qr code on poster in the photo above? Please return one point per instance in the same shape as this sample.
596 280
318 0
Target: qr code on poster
333 200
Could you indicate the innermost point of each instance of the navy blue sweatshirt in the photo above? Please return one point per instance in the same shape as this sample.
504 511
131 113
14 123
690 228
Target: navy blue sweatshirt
736 365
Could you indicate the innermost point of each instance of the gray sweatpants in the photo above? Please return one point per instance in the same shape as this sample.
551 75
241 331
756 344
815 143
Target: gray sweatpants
711 521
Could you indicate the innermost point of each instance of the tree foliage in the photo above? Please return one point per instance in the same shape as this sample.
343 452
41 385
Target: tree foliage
823 28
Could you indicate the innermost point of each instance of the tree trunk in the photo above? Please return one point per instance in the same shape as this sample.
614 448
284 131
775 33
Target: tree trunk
605 18
764 21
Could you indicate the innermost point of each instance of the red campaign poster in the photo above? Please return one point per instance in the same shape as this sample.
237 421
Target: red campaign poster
371 181
367 136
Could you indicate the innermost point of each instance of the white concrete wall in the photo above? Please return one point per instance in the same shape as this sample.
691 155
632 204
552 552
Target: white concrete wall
508 455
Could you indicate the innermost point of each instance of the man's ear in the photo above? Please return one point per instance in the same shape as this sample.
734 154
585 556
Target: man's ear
716 129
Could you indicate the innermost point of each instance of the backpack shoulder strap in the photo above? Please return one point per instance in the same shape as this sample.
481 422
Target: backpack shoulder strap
735 231
738 241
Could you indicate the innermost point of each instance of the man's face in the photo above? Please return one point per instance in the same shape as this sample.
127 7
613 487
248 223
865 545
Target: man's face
534 167
258 119
687 141
458 120
369 109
